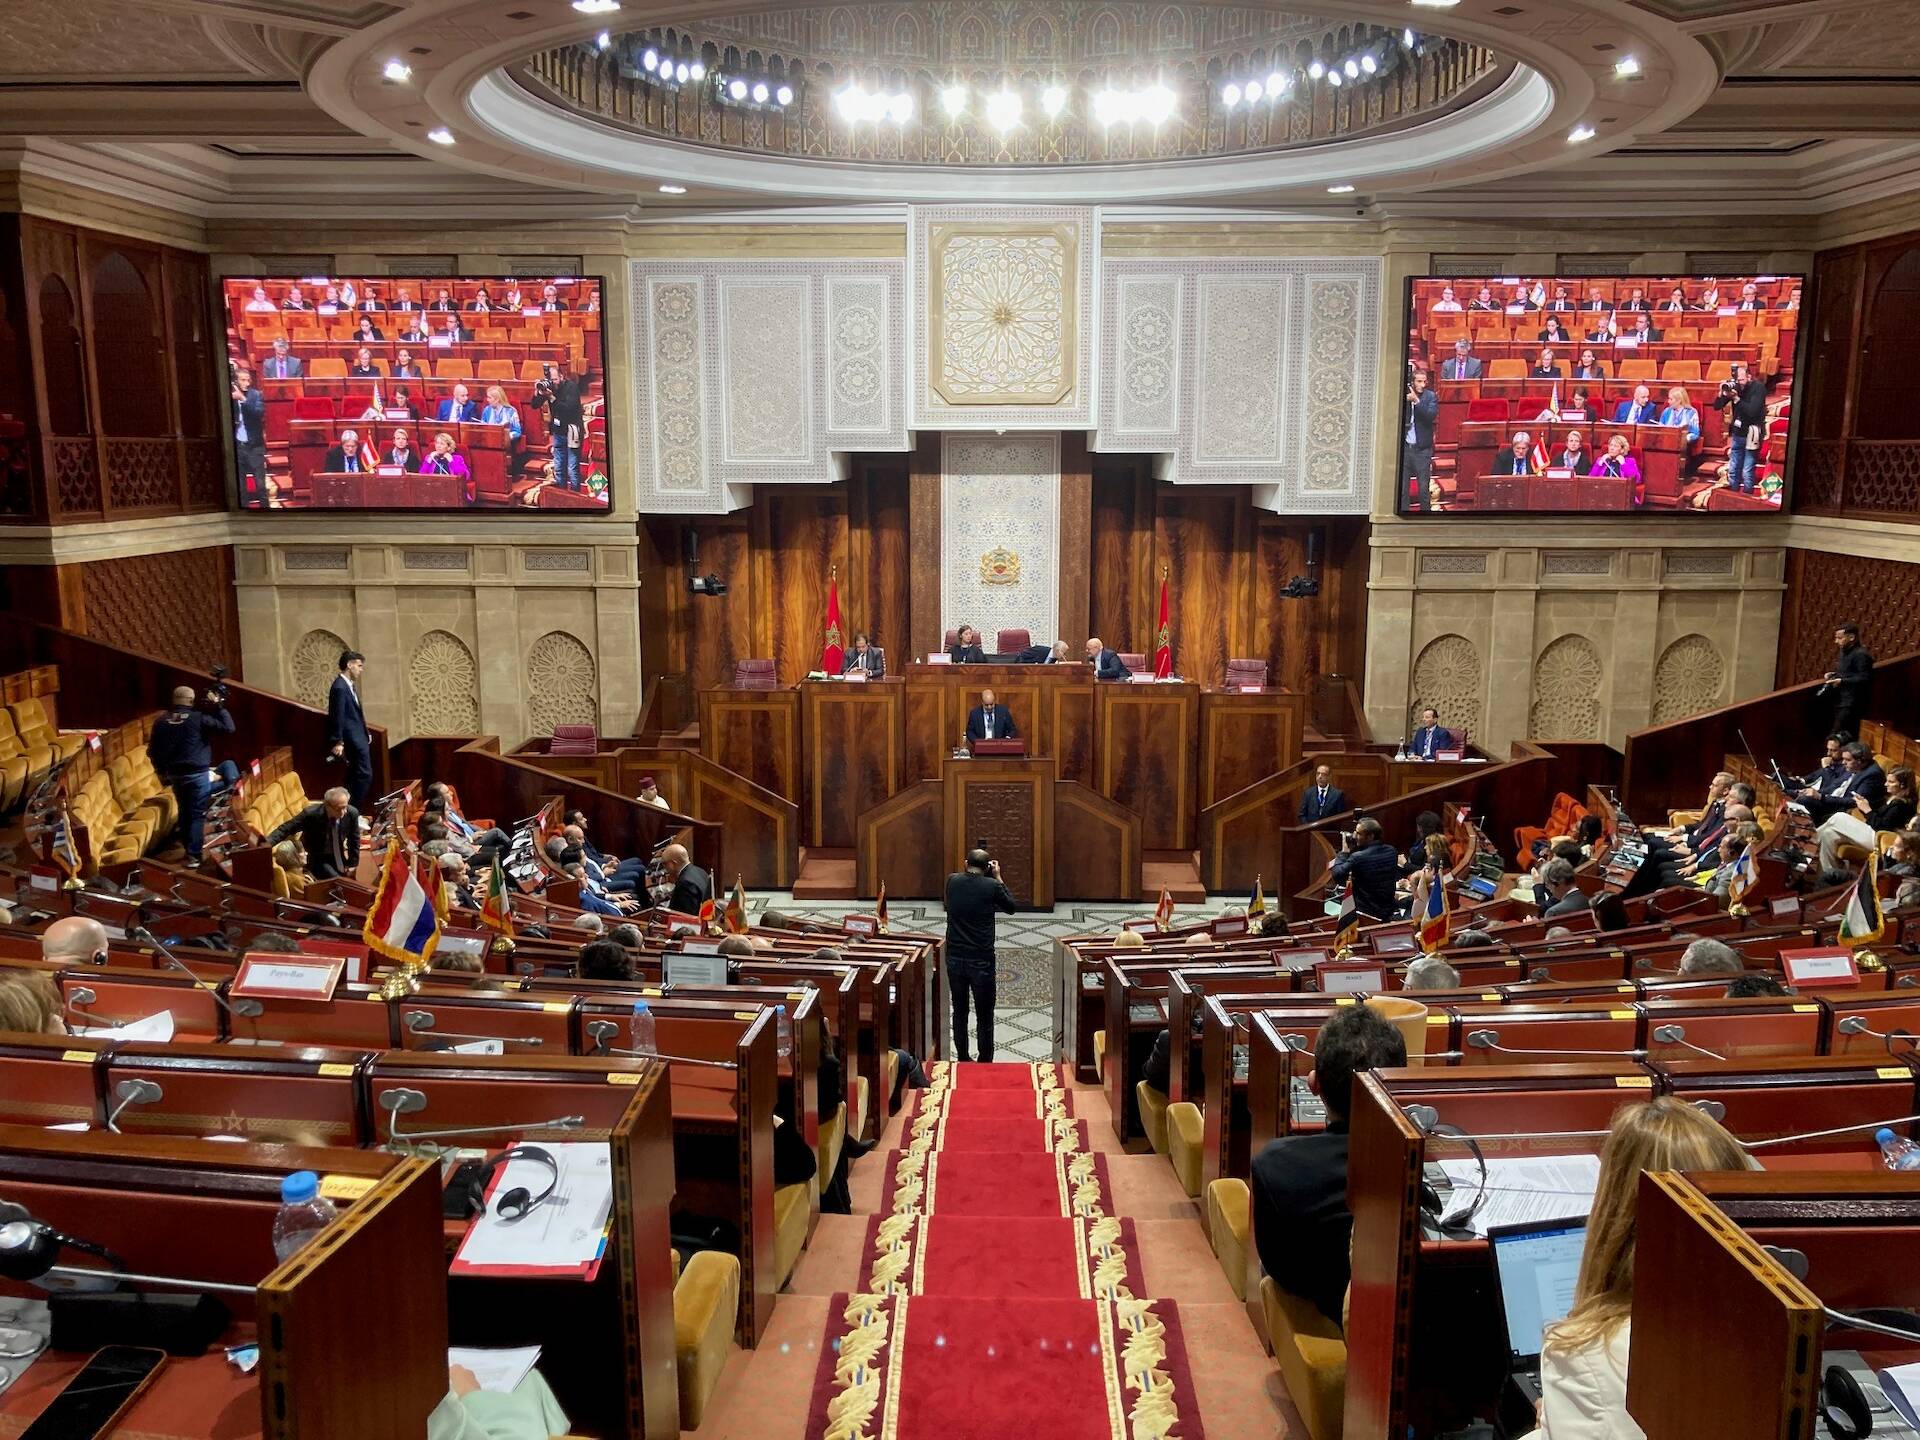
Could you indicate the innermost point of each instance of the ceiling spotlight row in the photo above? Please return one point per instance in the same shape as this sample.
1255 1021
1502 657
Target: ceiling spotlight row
1004 107
752 92
858 105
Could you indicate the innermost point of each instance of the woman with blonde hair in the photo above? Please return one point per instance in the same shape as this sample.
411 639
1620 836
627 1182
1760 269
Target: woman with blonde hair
1583 1365
30 1004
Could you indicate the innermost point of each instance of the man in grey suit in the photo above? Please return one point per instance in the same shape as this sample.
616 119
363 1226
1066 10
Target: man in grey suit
1106 664
1463 364
281 365
869 660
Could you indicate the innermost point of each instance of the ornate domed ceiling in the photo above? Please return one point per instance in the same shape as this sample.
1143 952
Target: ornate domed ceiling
993 83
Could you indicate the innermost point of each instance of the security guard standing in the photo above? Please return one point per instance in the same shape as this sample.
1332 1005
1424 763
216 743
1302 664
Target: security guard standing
182 756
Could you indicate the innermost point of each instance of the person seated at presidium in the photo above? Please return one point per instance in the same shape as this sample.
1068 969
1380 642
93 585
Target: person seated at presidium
990 721
1106 664
443 459
1583 1366
1430 737
1301 1224
865 657
400 452
966 647
1573 454
1618 464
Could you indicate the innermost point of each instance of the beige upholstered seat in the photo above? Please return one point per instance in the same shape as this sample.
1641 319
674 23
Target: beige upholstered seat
1186 1132
1153 1115
1228 1227
706 1298
1312 1354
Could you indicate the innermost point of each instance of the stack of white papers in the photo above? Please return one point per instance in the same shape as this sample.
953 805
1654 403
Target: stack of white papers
1522 1190
1902 1386
563 1232
499 1371
154 1029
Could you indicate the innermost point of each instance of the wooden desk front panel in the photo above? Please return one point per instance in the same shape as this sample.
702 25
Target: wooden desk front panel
855 755
756 734
1052 706
1005 805
1149 758
1406 776
1244 738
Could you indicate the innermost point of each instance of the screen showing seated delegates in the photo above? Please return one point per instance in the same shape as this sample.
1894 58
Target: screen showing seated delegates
389 392
1671 394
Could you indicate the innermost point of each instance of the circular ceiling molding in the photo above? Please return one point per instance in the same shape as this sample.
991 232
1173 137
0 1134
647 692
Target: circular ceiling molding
1522 79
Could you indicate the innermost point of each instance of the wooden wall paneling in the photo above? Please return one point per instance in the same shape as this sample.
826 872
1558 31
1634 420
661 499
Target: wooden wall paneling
1824 589
56 304
1006 806
179 605
1833 310
799 538
923 499
1123 494
1244 738
1887 327
855 755
1073 730
1096 846
756 735
903 842
880 554
1149 758
929 737
1204 539
1076 542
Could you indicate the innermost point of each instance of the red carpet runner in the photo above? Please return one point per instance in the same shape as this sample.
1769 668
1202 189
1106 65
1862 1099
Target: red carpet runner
999 1296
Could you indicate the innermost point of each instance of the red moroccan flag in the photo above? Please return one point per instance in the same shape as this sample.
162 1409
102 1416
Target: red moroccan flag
1163 638
833 657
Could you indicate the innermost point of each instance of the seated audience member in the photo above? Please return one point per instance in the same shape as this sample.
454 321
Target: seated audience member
1579 409
626 936
401 403
482 301
1562 300
450 329
1750 984
1573 454
1710 297
363 367
1547 367
329 832
1830 771
443 300
344 458
1520 300
512 299
1445 305
1618 464
1680 412
1483 300
366 332
1604 330
692 886
292 862
282 364
1374 867
1430 972
550 298
865 657
589 923
1636 302
405 367
1517 458
400 452
1860 826
456 962
443 459
1904 860
1862 778
1750 298
74 940
403 301
605 960
260 304
1301 1223
457 408
458 883
1553 332
1710 957
1583 1367
1589 367
417 330
1463 364
329 302
1732 846
650 793
1639 332
295 299
1711 811
966 647
30 1004
1640 410
1676 301
1561 895
274 942
1908 893
1793 300
1470 940
500 411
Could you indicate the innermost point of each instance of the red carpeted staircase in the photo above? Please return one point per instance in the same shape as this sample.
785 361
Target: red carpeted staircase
999 1293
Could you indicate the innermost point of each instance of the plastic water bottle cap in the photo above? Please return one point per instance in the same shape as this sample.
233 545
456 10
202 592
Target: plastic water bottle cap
299 1187
640 1007
1883 1136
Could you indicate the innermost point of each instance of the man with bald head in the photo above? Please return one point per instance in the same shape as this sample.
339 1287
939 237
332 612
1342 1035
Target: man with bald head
692 886
1106 664
181 754
75 940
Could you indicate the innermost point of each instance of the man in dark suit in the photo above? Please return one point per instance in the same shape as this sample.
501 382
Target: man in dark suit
1851 678
1561 896
283 365
181 754
347 728
1431 738
1322 798
443 301
1375 869
329 832
249 436
988 721
1054 654
1301 1223
457 408
1517 459
869 660
1863 777
1640 410
1416 466
1106 664
974 896
692 886
1637 301
1463 364
344 458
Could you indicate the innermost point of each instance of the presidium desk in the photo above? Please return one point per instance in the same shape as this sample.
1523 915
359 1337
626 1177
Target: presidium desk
1115 773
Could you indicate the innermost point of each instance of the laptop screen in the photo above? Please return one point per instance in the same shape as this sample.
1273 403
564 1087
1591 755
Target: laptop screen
1537 1266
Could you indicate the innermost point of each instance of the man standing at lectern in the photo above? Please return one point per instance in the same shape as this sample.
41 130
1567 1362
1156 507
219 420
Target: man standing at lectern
988 721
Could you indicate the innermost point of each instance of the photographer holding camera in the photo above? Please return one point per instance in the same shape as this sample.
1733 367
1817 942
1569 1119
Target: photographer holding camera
182 756
1744 396
973 896
1375 867
563 398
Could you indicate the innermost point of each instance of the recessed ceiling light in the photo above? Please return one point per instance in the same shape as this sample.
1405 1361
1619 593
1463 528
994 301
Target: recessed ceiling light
596 7
1436 4
1627 67
397 71
1230 95
784 95
953 100
1580 134
1339 189
603 40
673 189
1003 109
1053 100
440 135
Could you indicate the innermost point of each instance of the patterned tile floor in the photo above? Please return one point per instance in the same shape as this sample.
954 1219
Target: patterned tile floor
1023 1018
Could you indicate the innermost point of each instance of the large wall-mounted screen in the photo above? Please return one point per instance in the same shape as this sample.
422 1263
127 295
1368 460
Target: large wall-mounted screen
398 393
1598 394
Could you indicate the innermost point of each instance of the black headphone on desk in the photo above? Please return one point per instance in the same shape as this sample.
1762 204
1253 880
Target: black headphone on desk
466 1194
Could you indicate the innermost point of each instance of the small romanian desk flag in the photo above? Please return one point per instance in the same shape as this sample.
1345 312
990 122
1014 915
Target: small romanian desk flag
402 923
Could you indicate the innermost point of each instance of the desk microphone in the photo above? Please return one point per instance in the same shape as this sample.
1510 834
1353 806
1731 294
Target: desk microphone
243 1007
30 1249
1677 1035
1869 1126
421 1021
599 1032
402 1101
1490 1040
78 999
1857 1025
131 1092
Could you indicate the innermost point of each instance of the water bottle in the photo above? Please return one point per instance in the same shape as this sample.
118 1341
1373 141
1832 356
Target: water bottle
783 1031
1898 1152
643 1032
1400 750
304 1213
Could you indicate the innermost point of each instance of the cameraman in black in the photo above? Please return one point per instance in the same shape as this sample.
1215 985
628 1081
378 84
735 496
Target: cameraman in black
973 896
563 398
181 755
1744 396
1376 870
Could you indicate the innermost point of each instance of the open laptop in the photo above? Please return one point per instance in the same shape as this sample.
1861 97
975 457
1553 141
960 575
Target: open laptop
1536 1266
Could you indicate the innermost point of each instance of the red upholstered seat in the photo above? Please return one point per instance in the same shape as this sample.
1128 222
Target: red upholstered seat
313 407
754 674
1246 672
950 639
1012 642
573 740
1489 408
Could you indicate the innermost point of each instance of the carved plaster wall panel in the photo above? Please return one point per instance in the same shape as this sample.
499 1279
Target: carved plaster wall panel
1267 374
1000 494
1003 316
755 372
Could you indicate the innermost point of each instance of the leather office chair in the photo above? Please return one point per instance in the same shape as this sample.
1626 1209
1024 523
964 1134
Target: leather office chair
1136 663
1012 642
754 674
1246 672
573 740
